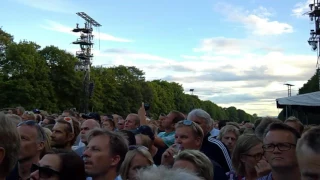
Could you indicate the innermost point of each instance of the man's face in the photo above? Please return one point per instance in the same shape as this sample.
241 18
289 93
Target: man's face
97 157
167 121
309 163
130 123
280 158
120 124
202 123
229 139
59 136
185 137
85 128
161 118
29 145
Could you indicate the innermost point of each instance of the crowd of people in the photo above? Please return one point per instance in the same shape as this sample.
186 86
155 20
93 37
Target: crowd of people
35 145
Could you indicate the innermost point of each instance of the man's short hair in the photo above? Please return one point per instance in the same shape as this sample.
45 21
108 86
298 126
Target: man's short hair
311 139
279 126
265 122
295 120
10 142
178 116
118 145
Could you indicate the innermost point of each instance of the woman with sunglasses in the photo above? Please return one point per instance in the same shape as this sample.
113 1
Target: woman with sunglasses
59 165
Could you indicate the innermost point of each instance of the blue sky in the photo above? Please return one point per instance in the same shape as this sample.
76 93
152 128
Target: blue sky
231 52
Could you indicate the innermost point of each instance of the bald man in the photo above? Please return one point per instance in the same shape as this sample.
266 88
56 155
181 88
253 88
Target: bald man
86 126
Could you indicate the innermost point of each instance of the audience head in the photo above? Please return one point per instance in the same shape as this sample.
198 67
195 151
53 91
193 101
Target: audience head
308 154
279 143
229 135
188 135
105 152
246 154
163 173
65 132
137 158
202 118
295 123
59 164
9 145
196 162
132 122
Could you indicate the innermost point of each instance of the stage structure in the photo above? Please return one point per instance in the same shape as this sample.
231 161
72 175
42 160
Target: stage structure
314 39
85 55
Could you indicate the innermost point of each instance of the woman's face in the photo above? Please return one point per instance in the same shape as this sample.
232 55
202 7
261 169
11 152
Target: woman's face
138 162
252 157
49 166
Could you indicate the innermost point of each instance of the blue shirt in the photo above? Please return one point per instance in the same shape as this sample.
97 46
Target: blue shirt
168 138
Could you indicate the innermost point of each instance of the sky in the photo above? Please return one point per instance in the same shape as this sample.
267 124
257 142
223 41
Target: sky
234 53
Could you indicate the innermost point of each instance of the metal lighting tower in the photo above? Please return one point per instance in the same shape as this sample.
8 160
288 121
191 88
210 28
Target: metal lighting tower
85 55
314 39
191 90
289 88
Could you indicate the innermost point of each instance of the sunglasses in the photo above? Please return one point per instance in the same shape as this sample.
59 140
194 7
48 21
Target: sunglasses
69 120
35 124
186 122
44 172
133 147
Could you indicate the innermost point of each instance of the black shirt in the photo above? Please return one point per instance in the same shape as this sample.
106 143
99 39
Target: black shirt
158 155
216 151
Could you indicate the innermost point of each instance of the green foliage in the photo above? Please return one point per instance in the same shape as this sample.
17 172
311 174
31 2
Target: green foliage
45 78
311 86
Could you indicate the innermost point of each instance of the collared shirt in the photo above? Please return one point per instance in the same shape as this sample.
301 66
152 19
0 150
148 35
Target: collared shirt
168 138
214 132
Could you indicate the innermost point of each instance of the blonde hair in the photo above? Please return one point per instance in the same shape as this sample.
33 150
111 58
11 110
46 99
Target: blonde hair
163 173
226 129
146 141
124 169
196 129
244 143
200 161
47 142
14 118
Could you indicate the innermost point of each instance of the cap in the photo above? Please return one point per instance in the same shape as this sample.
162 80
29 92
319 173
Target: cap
146 130
92 115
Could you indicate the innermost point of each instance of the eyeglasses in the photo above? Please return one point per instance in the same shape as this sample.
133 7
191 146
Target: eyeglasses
44 172
69 120
280 146
34 123
133 147
257 157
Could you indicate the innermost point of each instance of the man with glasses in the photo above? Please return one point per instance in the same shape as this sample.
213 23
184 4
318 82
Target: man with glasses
64 133
32 146
279 145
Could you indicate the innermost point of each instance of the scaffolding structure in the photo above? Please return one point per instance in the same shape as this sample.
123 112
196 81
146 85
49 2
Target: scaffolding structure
85 55
314 39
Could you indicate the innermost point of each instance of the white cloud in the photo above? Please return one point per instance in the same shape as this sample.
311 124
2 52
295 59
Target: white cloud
257 21
248 81
55 26
301 8
60 6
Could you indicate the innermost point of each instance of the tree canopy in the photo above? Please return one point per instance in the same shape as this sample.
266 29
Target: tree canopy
44 78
